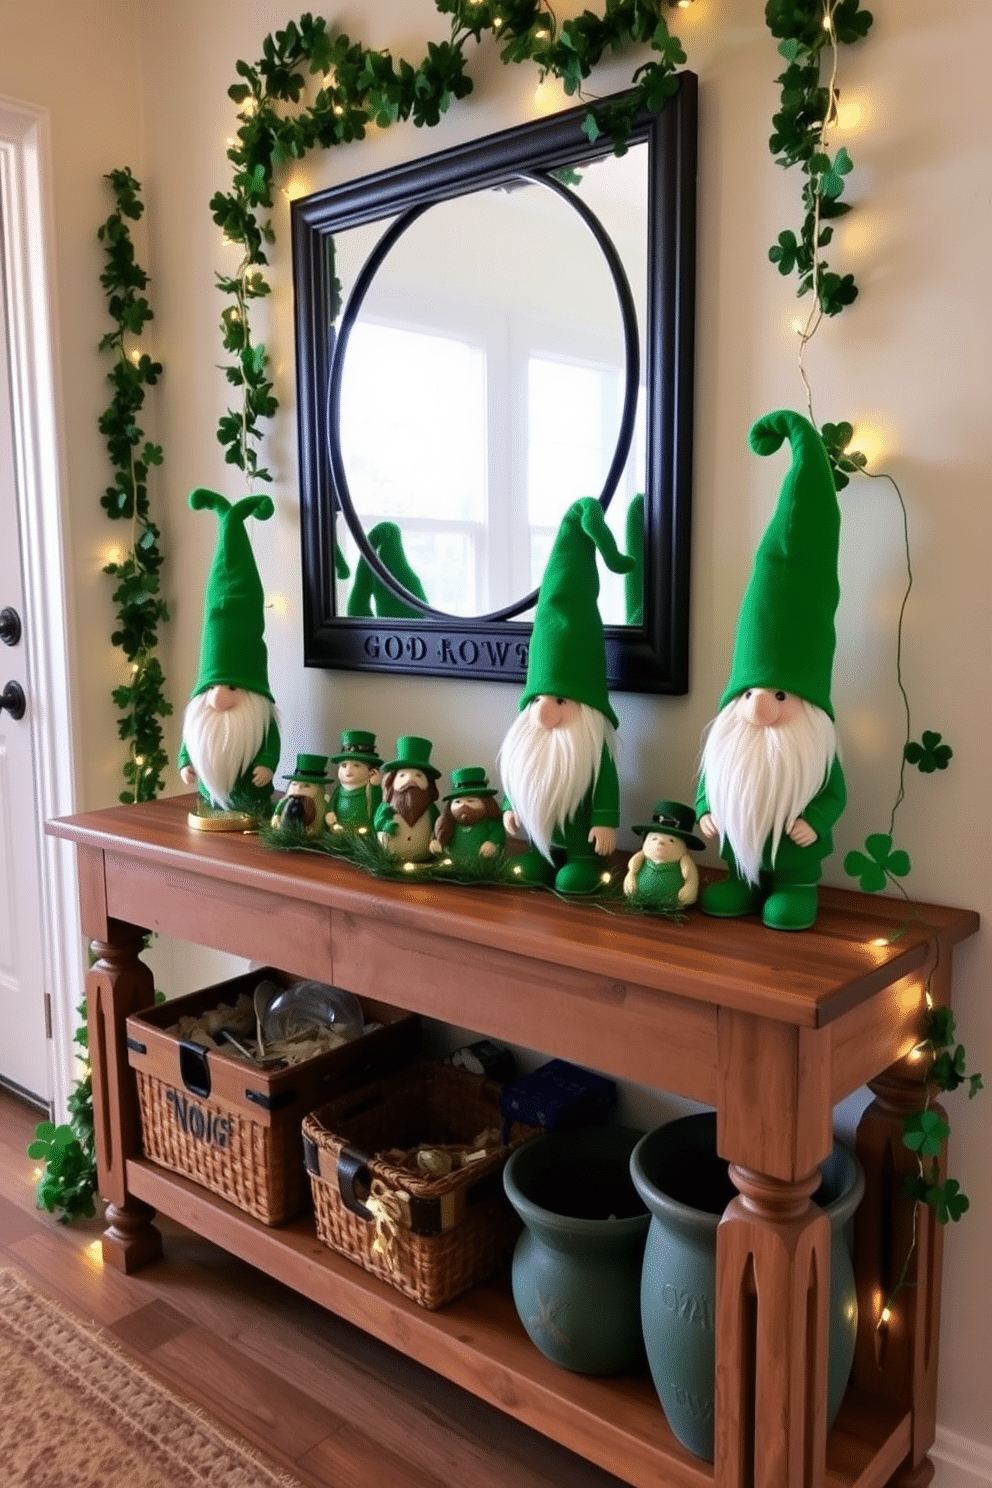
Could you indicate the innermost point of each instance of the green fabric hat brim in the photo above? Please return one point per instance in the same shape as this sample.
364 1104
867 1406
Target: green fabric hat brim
567 655
785 631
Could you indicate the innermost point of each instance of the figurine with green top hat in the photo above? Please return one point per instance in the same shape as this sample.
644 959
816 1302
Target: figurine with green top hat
662 874
471 822
354 801
230 746
558 759
302 807
405 820
771 784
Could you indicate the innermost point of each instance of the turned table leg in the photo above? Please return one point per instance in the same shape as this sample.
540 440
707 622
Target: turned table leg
117 984
897 1249
773 1283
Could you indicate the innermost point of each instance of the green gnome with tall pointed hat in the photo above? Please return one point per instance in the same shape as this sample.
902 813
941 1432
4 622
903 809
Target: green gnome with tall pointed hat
771 785
230 746
558 760
369 595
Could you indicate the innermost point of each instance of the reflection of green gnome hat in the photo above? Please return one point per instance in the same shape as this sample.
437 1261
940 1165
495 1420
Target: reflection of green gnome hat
567 656
633 584
387 542
232 644
785 632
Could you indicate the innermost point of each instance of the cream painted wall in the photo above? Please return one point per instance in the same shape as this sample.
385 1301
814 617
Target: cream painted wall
909 361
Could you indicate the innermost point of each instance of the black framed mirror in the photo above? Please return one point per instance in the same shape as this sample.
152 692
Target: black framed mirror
482 336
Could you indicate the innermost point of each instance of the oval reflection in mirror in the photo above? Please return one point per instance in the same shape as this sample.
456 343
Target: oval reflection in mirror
483 388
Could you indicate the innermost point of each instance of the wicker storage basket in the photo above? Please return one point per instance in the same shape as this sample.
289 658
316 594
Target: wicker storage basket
430 1237
234 1129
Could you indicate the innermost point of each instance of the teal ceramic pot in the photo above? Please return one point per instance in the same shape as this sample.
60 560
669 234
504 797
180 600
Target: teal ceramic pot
686 1186
577 1265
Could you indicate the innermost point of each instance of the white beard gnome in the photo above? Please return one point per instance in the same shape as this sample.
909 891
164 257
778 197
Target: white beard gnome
771 785
558 759
230 746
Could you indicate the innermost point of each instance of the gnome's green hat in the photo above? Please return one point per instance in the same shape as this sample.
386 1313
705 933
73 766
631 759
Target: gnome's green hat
785 631
369 595
633 584
567 656
232 644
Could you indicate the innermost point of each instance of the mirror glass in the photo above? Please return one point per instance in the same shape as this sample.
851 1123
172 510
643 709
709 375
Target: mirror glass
483 336
484 382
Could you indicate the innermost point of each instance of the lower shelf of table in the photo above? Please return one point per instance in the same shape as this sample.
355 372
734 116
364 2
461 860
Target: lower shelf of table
478 1343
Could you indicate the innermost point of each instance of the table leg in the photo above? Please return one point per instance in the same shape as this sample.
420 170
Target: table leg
118 983
773 1283
898 1248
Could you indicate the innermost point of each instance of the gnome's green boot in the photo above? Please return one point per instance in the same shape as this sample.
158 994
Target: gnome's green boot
530 867
582 875
730 897
791 907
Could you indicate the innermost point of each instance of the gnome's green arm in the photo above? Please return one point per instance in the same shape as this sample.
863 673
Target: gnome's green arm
828 803
606 793
268 755
385 820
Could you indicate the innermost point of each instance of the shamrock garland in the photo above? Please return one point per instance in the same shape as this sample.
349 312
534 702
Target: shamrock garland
69 1180
140 607
359 86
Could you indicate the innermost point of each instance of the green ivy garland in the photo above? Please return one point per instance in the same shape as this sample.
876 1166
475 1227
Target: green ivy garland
68 1183
360 86
141 700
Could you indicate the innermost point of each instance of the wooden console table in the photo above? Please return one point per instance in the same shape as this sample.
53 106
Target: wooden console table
771 1029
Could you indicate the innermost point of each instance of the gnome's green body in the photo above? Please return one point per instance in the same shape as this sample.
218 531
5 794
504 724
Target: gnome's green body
785 645
567 660
232 643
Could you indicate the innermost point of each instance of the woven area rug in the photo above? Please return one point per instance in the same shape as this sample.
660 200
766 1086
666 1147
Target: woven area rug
76 1410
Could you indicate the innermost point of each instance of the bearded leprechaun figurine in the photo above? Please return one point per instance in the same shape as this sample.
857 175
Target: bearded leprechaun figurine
771 784
230 746
558 760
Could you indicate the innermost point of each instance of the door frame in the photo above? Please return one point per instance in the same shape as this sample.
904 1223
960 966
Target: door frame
26 262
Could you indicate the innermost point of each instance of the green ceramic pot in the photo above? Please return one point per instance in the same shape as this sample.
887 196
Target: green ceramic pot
577 1265
686 1186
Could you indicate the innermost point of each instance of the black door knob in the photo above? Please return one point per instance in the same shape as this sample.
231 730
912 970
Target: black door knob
10 627
12 698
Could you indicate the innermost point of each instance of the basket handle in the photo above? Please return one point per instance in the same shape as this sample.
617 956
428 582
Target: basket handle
353 1165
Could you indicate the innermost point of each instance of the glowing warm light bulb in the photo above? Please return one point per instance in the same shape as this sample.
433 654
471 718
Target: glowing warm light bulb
886 1314
870 441
849 115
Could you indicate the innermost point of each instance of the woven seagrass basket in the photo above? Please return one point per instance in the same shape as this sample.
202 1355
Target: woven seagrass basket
430 1237
234 1128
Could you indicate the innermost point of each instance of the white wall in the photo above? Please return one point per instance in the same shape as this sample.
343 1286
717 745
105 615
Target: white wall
910 360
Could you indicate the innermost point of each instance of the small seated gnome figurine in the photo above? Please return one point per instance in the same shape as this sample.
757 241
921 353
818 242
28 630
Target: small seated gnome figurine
471 822
662 875
302 807
771 785
405 820
558 759
230 746
354 801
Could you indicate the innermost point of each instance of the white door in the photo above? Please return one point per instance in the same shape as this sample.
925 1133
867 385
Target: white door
24 1061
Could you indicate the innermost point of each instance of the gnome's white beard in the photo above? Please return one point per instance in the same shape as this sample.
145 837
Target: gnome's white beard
759 780
222 745
546 772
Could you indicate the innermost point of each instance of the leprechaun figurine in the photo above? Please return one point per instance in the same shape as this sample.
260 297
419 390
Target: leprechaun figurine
662 874
558 759
405 820
354 801
230 744
471 822
302 807
771 784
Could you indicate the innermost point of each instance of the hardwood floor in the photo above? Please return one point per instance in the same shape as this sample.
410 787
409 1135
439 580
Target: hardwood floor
317 1396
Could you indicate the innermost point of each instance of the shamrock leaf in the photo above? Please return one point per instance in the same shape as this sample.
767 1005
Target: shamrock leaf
947 1201
872 870
929 754
925 1132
